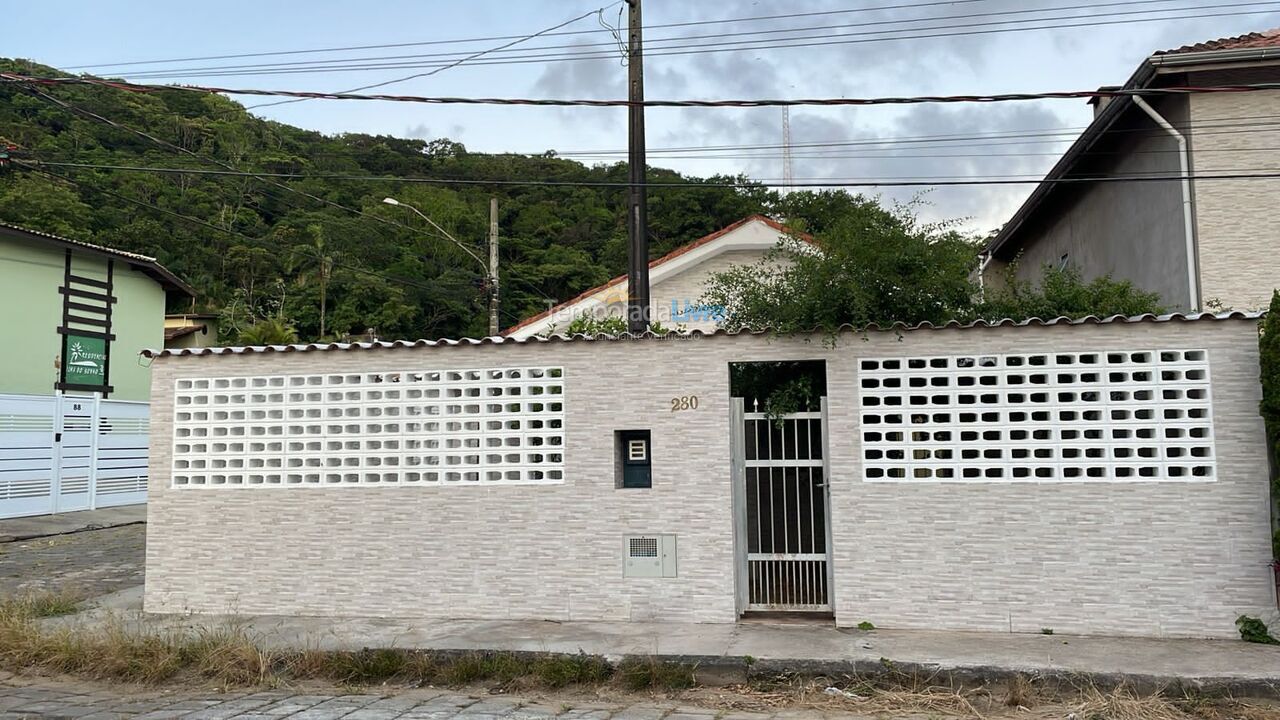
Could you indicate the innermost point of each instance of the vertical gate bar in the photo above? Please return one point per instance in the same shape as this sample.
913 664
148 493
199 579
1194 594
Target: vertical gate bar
759 509
738 476
95 423
827 564
805 583
811 598
813 509
786 526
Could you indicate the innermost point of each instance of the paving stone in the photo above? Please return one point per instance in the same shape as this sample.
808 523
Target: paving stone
641 712
40 707
536 711
167 713
587 714
106 715
136 707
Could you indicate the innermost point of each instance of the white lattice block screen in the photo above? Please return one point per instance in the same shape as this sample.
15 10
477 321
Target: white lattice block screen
437 427
1141 415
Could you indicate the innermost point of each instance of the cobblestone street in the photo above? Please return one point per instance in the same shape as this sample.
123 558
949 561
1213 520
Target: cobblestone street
90 563
44 698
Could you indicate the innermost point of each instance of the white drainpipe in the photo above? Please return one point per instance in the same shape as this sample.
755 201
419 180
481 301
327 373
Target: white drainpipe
984 259
1188 222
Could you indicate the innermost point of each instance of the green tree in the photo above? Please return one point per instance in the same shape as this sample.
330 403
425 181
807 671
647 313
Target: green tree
875 265
315 261
871 265
1061 292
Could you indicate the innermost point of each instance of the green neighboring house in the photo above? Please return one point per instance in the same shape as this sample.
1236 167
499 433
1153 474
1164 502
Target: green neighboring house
61 329
73 395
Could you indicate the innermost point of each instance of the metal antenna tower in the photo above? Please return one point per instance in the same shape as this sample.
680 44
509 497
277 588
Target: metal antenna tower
788 174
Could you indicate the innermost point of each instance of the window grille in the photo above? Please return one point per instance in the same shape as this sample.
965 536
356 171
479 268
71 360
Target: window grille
1106 416
430 427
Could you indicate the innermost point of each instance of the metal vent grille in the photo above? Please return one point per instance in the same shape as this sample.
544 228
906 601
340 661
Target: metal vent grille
642 547
1090 416
396 427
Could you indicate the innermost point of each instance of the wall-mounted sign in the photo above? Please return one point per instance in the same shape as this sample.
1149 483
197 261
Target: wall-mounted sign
84 360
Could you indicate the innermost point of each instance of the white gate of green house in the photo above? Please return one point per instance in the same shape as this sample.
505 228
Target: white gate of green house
60 453
782 534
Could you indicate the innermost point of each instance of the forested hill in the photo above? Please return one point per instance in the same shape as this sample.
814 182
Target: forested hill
254 249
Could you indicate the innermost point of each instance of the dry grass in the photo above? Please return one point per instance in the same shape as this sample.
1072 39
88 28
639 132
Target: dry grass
232 656
1123 703
42 604
902 694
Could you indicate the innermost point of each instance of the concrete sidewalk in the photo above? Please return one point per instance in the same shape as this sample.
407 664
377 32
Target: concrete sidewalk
730 650
26 528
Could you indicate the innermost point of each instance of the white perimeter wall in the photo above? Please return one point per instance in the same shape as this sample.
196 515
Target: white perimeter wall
1146 558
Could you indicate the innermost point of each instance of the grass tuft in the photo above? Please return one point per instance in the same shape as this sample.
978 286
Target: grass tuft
40 604
650 673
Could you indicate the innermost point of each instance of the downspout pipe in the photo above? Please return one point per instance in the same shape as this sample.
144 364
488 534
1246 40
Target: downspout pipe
1188 219
984 259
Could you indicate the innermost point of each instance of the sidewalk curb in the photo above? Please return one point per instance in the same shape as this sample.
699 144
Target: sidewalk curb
713 671
35 536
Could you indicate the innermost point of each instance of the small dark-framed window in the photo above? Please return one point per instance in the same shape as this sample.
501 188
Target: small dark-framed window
633 458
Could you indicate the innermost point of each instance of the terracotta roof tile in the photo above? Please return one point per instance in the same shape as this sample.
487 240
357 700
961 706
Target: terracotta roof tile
1264 39
174 333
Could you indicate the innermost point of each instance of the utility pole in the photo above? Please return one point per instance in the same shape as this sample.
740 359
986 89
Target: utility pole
637 199
493 267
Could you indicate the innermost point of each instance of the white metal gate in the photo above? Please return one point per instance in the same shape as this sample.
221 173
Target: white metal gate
780 491
60 453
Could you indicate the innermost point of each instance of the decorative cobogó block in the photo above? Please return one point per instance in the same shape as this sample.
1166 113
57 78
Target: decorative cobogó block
396 427
1104 416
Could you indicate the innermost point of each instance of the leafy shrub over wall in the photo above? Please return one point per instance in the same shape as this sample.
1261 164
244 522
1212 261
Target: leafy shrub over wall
1269 351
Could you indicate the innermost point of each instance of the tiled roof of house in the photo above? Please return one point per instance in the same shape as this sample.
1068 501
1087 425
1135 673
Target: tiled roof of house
655 263
1266 38
173 333
148 265
698 334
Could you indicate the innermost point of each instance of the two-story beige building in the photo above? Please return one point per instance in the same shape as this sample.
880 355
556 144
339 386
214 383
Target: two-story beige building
1173 208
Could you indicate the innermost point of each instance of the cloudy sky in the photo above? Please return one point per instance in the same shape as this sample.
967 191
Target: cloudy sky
825 48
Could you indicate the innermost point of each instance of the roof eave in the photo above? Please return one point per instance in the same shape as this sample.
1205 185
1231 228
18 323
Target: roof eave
1205 57
1101 123
147 265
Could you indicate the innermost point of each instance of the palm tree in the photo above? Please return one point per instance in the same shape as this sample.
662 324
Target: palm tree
269 331
315 261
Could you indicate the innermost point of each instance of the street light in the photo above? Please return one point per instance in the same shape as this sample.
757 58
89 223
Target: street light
490 269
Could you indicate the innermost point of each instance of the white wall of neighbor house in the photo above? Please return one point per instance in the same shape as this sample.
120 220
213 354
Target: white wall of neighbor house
1235 219
1145 557
676 286
1131 231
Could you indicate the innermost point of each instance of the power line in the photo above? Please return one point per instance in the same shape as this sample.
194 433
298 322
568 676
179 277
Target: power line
203 223
227 166
512 37
549 102
282 186
819 41
441 69
1250 174
682 41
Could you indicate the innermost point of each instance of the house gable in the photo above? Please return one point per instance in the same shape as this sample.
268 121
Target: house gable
676 280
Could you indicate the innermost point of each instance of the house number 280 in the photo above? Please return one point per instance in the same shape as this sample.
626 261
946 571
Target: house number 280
684 402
